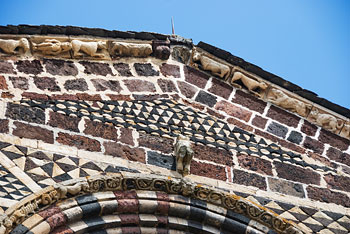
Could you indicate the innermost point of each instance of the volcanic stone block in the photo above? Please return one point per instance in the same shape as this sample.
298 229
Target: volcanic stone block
145 69
25 113
60 67
29 67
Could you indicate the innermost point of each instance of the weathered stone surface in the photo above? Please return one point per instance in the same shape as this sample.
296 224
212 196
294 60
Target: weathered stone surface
161 160
249 101
186 89
4 125
220 88
338 182
145 69
7 95
216 155
63 121
80 142
35 96
162 144
249 179
19 82
60 67
29 67
102 69
286 187
123 151
259 121
308 128
208 170
149 97
294 173
256 164
120 97
139 86
123 69
76 84
280 141
88 97
102 85
6 67
196 77
277 129
295 137
283 116
233 110
321 159
32 132
170 70
240 124
338 156
206 98
63 97
126 136
328 196
314 145
99 129
167 86
334 140
3 84
25 113
46 83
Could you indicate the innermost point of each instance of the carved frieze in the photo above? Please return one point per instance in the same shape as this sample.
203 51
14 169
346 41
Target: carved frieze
207 62
14 46
48 46
253 84
128 49
95 49
326 120
345 132
288 102
124 182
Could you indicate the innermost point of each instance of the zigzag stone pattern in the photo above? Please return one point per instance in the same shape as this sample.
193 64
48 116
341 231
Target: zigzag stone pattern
77 103
169 118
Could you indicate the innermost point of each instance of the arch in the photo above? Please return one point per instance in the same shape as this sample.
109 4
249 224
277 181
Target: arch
138 203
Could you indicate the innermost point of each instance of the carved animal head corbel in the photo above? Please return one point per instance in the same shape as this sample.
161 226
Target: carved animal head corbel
184 155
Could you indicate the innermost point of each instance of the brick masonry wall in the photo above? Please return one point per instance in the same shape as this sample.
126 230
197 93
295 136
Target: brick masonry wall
150 79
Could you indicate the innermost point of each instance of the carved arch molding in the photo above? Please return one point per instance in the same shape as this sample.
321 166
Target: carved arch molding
138 203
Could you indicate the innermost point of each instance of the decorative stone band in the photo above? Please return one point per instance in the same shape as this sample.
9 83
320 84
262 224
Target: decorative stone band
111 49
67 47
56 206
168 118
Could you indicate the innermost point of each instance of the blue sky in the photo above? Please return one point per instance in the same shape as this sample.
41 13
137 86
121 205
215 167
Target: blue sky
304 41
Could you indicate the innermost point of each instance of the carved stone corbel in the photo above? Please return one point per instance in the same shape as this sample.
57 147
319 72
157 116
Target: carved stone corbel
326 120
161 49
345 132
254 85
14 46
96 49
184 155
208 63
128 49
282 99
49 46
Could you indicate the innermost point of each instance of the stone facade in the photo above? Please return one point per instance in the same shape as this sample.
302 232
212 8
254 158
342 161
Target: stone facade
74 107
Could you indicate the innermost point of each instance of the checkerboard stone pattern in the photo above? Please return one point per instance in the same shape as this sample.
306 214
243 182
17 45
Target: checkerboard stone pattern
170 118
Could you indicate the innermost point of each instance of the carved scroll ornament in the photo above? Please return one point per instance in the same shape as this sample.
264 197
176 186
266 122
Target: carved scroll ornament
117 182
